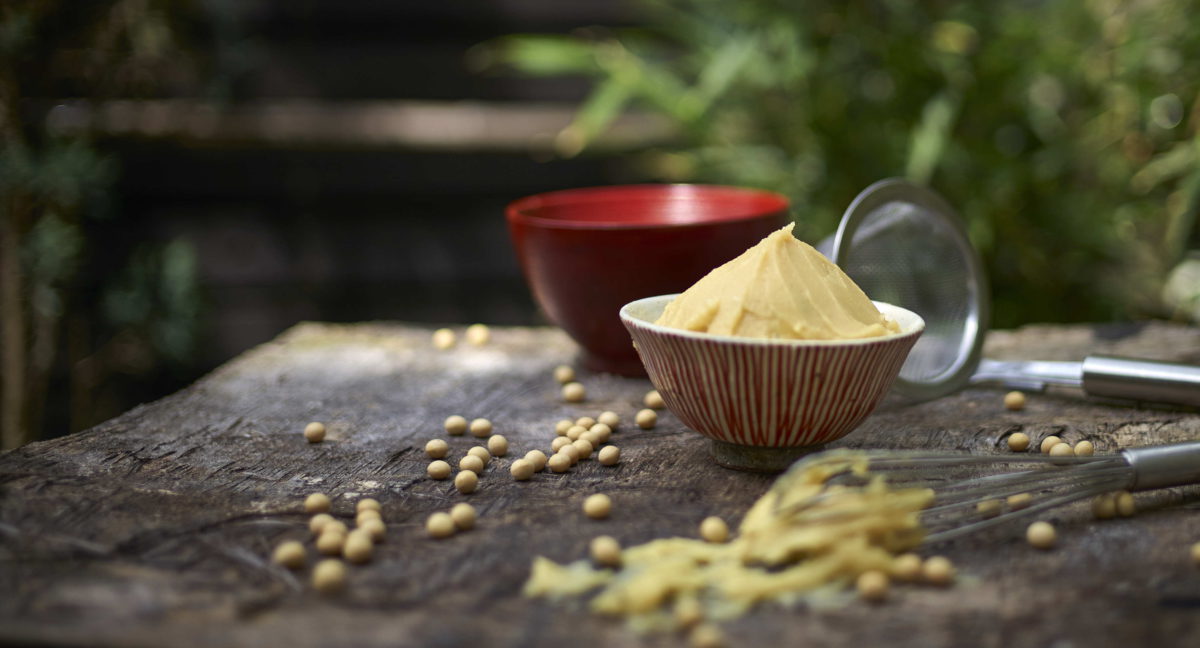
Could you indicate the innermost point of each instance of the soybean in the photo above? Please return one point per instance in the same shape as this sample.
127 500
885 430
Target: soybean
1041 535
1018 442
1125 505
713 529
573 392
472 463
1048 443
575 431
610 419
1084 449
521 470
373 527
562 426
318 522
481 427
653 400
559 463
537 458
938 570
872 585
438 469
585 422
1019 501
597 506
358 547
440 525
606 551
571 452
463 515
317 503
646 419
367 504
330 542
907 567
497 445
1062 450
602 431
1014 400
314 432
478 334
443 338
584 447
466 482
482 453
455 425
290 554
436 448
564 374
558 443
609 455
329 576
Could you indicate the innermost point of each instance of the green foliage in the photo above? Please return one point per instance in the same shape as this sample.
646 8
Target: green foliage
1064 132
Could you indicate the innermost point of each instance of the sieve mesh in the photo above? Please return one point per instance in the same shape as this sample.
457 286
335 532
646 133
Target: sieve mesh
903 245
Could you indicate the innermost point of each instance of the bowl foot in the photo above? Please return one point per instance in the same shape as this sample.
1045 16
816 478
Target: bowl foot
758 458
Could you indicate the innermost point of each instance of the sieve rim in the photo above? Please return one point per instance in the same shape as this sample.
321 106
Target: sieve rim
892 190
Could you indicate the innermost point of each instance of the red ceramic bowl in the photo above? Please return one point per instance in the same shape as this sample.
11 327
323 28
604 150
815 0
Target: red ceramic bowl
787 396
588 252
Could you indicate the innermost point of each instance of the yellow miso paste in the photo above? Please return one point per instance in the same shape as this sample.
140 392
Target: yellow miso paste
802 536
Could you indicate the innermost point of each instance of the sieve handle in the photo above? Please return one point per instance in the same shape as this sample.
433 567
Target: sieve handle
1144 380
1164 466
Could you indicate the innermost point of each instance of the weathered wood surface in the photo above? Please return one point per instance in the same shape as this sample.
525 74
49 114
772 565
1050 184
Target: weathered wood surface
154 528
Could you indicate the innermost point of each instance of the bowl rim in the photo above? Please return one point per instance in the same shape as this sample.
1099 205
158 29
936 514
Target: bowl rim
516 212
917 327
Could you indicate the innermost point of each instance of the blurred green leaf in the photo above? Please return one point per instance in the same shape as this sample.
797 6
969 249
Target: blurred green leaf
542 55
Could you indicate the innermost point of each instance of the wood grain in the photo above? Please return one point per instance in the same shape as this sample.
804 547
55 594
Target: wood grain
156 527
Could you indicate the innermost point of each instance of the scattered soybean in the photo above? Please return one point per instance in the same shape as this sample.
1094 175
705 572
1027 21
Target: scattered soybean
606 551
872 585
436 448
713 529
317 503
564 374
597 506
481 427
314 432
438 469
573 392
463 515
1018 442
466 482
1041 534
329 576
521 470
440 525
497 445
609 455
1014 400
444 338
455 425
653 400
478 334
290 554
646 419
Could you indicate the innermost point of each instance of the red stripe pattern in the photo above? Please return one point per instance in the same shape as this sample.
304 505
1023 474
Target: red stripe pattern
764 393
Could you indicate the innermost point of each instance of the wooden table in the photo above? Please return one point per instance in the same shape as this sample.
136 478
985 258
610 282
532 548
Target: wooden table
156 527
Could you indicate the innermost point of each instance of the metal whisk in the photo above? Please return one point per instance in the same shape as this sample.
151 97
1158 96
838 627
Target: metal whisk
960 483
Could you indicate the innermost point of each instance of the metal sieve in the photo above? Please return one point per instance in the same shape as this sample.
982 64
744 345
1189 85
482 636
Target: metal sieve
904 245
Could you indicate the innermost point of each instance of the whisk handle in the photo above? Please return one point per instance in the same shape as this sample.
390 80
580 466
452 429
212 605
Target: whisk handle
1164 466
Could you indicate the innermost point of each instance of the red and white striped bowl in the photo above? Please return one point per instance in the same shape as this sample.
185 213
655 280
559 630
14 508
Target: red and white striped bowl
768 393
